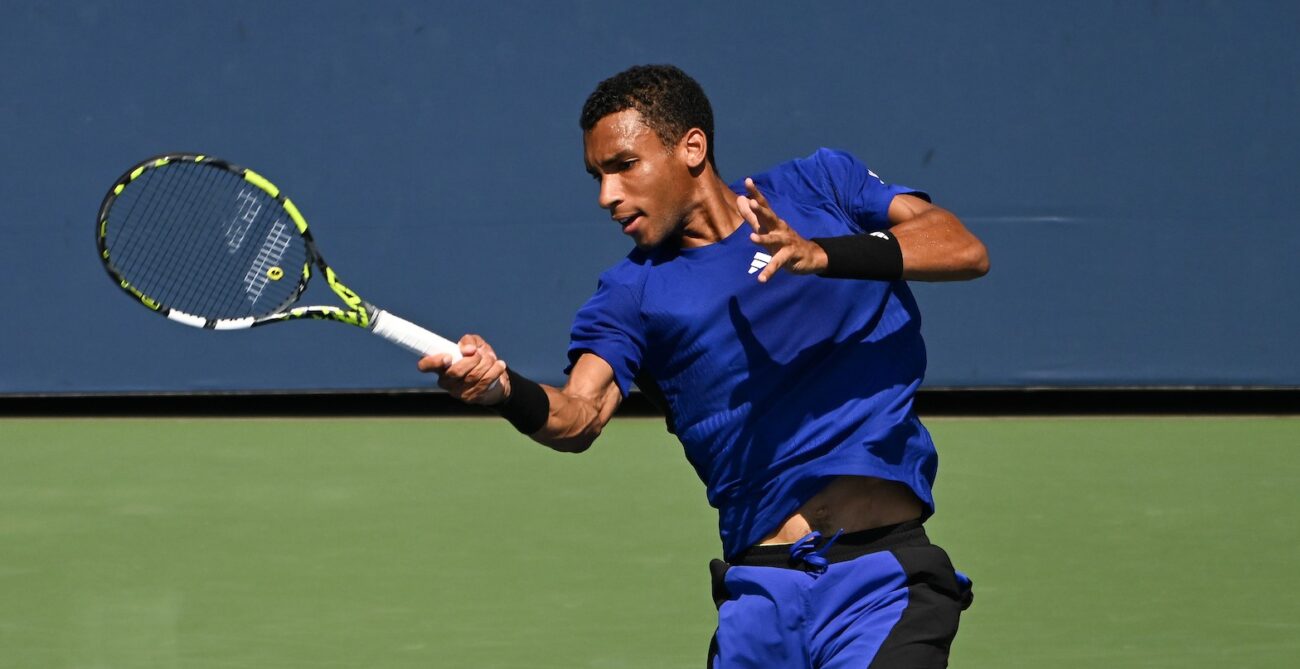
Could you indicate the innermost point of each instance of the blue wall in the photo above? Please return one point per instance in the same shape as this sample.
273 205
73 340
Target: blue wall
1130 165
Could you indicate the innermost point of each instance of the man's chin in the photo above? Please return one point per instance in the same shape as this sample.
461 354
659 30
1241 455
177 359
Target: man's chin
645 243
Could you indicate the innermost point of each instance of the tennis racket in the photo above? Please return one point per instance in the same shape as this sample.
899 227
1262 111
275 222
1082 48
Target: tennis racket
213 245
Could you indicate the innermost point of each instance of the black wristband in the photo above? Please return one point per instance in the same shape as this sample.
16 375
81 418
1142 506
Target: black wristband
874 255
528 407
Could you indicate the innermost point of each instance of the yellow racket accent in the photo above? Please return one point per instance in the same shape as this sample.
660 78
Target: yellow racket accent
354 310
298 220
357 313
144 299
261 182
358 318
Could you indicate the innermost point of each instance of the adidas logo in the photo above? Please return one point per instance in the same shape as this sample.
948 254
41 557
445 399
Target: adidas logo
880 235
760 261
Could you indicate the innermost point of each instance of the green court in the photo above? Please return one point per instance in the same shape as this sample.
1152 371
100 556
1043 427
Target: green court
1121 542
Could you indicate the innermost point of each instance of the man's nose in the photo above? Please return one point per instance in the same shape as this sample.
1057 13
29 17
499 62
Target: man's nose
610 193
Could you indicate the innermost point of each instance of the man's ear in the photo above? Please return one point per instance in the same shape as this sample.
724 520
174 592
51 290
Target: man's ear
695 148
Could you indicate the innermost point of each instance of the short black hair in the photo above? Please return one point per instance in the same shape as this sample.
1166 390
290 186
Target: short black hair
669 100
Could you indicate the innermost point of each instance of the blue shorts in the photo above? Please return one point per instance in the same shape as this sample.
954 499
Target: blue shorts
885 597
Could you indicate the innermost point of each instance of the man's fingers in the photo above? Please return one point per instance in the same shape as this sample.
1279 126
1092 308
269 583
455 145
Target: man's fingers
754 192
767 218
482 368
778 259
747 213
762 219
770 240
470 369
472 343
476 375
436 363
489 389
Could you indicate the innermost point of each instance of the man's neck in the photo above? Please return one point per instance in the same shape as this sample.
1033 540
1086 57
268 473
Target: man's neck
713 217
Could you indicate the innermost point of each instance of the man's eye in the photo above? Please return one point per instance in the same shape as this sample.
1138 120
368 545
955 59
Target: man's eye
626 165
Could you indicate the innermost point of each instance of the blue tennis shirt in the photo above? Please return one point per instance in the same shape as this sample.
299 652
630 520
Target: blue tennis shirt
776 388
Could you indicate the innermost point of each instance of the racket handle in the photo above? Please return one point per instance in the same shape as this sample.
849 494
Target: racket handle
412 337
421 342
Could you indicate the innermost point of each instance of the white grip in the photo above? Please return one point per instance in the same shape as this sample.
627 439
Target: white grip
421 342
412 337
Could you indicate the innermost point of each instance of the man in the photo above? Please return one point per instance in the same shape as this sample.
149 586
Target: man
791 393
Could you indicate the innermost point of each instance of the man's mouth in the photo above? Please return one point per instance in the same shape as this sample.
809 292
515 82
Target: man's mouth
628 222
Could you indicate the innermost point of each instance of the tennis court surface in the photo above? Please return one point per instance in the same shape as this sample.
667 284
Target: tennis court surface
1101 542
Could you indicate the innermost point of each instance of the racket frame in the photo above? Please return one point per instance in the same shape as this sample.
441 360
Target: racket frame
358 312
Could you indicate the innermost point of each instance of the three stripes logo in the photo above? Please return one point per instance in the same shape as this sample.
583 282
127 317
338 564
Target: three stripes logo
759 262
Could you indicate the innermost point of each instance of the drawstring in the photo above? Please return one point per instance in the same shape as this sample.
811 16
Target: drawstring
803 551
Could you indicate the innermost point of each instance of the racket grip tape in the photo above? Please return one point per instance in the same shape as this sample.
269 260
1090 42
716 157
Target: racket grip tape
421 342
412 337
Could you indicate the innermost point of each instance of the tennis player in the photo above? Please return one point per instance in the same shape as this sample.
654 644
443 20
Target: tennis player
773 322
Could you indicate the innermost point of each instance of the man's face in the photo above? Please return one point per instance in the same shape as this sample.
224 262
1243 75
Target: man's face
644 185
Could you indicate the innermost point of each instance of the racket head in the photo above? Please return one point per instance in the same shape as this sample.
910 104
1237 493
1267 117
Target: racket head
206 243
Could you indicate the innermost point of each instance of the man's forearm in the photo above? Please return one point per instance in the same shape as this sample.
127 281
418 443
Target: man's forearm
555 417
572 424
574 421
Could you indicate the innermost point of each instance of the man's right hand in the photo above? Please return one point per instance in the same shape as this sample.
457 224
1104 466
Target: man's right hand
477 378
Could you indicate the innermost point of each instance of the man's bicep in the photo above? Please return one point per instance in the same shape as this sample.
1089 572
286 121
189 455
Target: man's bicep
593 379
905 207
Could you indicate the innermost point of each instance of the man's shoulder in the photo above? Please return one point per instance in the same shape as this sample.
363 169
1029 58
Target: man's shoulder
813 171
630 272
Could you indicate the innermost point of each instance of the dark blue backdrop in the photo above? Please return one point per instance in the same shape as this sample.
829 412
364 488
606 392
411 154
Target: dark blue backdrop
1131 166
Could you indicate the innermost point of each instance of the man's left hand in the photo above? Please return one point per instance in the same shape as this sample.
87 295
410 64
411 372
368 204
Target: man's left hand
788 249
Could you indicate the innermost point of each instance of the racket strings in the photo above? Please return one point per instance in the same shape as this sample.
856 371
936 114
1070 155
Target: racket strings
257 240
170 262
128 237
201 239
204 213
134 248
270 260
156 261
171 265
